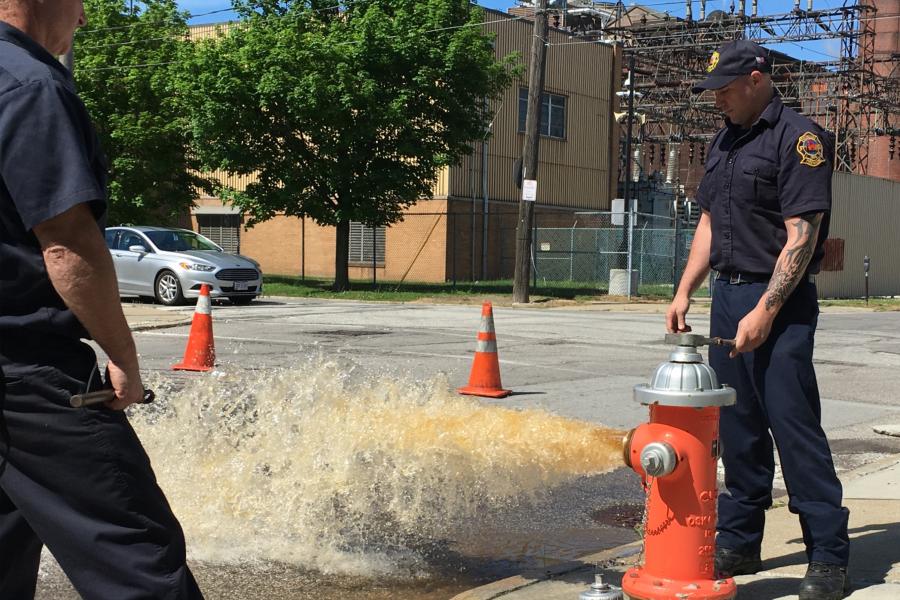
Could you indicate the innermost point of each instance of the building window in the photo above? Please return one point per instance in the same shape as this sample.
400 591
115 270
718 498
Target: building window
362 246
225 230
553 114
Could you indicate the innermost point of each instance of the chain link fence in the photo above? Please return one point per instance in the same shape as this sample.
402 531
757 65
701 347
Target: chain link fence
602 247
585 251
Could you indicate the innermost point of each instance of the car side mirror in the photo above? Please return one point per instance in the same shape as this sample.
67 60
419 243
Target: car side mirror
137 248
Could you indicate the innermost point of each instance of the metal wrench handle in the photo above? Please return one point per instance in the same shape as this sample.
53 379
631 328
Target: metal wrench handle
695 340
101 396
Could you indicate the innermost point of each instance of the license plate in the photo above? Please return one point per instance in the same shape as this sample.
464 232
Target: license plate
240 286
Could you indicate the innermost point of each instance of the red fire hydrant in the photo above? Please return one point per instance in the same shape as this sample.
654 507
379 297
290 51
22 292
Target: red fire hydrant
676 454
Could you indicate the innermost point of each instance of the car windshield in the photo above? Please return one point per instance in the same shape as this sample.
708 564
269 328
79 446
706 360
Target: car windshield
179 241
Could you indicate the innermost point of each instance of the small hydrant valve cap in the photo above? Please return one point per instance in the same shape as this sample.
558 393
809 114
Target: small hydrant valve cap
658 459
601 591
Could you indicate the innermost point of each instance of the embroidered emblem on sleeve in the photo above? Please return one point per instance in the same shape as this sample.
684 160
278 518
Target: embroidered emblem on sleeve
713 62
810 149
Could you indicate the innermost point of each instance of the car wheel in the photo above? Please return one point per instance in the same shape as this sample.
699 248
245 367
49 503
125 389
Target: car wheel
168 289
241 300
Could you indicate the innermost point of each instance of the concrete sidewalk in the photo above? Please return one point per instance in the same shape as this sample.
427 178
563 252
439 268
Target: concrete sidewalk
872 494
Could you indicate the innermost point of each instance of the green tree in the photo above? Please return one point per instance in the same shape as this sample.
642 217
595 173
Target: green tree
124 59
342 114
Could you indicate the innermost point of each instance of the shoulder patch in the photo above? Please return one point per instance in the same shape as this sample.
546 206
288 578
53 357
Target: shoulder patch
713 62
810 149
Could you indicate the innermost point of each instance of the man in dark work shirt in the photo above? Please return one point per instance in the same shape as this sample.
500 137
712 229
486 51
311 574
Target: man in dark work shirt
74 479
766 200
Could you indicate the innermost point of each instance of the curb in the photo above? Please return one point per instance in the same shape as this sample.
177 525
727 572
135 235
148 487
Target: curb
512 584
150 326
891 430
872 467
700 306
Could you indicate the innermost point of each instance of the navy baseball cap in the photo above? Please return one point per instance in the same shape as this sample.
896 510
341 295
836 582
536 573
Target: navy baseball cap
732 60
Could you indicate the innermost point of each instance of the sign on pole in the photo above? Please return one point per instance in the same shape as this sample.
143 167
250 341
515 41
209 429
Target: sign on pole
529 190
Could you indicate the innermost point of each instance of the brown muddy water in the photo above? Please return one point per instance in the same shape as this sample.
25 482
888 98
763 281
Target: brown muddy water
321 481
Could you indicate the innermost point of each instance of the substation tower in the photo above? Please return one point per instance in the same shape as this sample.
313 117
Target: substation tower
853 90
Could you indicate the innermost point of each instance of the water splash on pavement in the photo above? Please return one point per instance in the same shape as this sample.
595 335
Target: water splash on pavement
330 469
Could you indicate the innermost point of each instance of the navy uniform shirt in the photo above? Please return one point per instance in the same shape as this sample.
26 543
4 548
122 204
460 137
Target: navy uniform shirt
50 161
755 179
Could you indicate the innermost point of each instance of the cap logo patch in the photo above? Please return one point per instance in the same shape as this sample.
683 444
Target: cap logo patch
810 149
713 62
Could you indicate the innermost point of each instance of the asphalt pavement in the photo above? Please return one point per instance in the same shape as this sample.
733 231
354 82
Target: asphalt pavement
582 362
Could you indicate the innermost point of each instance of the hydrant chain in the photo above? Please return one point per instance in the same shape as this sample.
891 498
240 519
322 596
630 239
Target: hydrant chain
662 526
648 488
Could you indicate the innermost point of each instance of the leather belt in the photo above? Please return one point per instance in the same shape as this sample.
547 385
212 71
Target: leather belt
737 278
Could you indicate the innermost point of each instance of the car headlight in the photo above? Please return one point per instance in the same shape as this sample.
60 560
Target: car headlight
196 267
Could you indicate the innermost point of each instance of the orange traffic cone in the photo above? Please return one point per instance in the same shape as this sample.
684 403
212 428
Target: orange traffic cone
485 377
200 354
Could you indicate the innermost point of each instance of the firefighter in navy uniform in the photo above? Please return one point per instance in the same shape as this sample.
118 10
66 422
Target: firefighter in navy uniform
766 199
75 480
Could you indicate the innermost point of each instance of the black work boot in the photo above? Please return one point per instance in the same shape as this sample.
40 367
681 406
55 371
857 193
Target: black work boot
824 582
731 562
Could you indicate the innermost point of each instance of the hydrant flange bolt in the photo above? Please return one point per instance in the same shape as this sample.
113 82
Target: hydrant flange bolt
658 459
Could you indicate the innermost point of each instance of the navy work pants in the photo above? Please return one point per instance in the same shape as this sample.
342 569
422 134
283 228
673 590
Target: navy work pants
79 481
776 392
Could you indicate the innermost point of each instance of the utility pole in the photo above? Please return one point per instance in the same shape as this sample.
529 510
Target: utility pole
530 152
628 225
626 192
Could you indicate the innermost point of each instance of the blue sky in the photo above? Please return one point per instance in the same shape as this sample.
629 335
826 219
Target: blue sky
809 50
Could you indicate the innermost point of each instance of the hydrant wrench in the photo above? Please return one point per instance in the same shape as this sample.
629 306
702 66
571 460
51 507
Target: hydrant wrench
693 339
102 396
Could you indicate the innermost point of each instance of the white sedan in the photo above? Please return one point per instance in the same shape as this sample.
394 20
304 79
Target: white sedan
171 264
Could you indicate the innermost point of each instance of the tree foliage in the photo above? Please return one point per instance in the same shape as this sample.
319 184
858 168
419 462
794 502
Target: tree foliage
341 114
124 60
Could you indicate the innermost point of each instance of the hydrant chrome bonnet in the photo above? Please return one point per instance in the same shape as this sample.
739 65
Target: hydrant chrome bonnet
685 380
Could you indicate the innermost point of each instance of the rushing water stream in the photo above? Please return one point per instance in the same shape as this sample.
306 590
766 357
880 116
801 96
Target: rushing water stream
322 475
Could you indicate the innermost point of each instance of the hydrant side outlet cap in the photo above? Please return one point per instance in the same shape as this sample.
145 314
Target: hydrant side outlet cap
658 459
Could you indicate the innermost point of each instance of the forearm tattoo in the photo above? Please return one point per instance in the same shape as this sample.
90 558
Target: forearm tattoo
794 259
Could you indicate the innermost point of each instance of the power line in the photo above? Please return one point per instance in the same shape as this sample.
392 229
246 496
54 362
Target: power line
130 42
123 67
511 19
187 17
270 18
762 42
336 7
